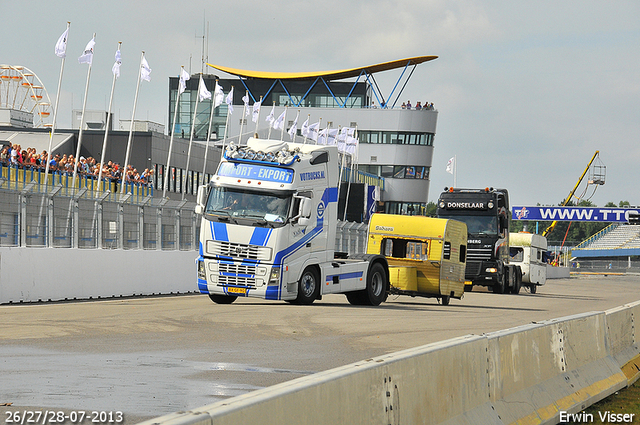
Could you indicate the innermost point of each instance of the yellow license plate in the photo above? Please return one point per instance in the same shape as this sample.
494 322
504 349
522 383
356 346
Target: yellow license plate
234 290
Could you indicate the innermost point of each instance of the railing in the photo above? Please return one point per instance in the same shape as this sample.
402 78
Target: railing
62 217
362 177
597 236
16 178
31 216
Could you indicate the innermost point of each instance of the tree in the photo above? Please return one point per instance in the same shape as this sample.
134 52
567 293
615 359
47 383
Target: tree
431 209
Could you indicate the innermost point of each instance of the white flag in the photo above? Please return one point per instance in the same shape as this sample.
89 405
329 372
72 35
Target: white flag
203 93
322 136
270 117
245 99
87 55
450 165
256 111
182 84
145 71
218 96
313 131
279 123
294 127
116 65
305 128
61 45
229 101
327 137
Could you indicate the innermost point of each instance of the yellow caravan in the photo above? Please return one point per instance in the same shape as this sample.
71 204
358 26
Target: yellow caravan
426 256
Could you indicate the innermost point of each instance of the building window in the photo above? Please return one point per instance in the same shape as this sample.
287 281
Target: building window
396 138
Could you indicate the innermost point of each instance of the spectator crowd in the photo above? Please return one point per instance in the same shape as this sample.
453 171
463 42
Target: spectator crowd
427 106
15 156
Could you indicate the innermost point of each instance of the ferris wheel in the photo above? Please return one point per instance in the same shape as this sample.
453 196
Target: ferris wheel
22 90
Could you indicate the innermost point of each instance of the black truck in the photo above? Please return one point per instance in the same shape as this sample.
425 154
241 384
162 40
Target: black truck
486 213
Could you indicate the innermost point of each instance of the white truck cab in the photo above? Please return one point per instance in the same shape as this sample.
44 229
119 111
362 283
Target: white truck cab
268 229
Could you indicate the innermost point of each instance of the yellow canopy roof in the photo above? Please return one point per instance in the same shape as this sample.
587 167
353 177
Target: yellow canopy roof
328 75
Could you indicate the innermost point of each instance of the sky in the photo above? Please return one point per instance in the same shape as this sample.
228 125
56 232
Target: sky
526 92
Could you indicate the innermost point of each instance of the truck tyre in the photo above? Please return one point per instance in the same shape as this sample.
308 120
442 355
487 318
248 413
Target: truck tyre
533 288
445 299
500 285
308 286
376 289
222 299
517 284
355 298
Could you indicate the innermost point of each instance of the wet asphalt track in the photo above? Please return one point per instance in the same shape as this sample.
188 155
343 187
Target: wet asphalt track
147 357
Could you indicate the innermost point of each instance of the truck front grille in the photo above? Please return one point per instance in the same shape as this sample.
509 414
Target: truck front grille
479 254
236 250
472 269
237 269
236 281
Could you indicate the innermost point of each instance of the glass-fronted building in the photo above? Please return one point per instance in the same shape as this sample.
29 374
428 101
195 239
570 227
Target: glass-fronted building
395 144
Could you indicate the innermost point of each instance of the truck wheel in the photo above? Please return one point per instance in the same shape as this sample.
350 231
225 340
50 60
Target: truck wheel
222 299
376 285
533 288
445 300
308 286
500 285
515 289
355 298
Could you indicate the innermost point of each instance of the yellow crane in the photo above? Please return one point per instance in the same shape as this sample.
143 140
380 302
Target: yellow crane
597 178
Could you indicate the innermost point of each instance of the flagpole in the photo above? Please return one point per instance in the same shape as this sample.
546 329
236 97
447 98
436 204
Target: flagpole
133 115
295 123
304 142
55 115
226 128
244 116
106 130
346 201
271 124
455 170
258 118
173 127
206 148
286 108
193 125
319 125
84 107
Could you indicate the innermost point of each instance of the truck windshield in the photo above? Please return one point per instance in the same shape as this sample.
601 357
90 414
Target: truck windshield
261 207
478 224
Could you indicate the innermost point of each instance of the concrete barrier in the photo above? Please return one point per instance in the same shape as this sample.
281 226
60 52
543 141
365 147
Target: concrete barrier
429 384
557 272
623 339
537 371
34 274
527 374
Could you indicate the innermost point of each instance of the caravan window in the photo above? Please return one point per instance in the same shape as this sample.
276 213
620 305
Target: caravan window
406 249
516 254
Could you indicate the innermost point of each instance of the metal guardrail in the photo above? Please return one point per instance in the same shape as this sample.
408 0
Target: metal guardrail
15 178
62 217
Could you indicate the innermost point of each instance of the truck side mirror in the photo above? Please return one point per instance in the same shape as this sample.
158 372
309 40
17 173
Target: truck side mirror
304 211
201 199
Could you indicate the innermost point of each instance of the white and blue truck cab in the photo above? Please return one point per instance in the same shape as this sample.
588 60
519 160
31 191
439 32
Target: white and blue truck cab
269 218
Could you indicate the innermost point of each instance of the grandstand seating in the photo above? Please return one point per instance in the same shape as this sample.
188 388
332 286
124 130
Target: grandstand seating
622 236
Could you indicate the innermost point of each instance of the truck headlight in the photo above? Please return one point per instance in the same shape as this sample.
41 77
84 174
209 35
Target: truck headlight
491 270
201 270
274 278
